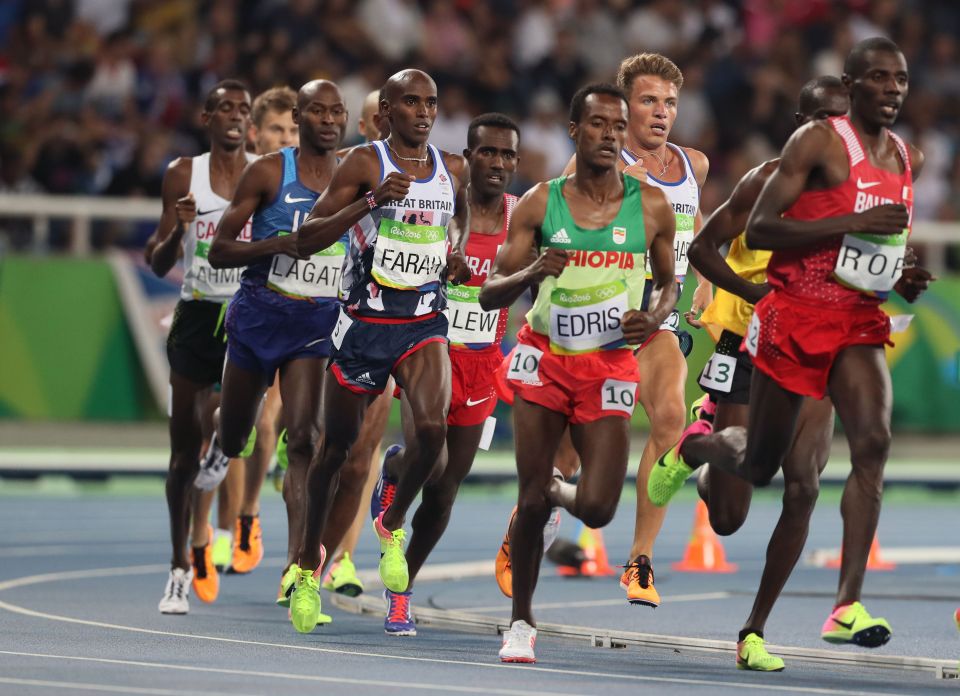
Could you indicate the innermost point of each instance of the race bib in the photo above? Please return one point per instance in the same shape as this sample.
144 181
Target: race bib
871 263
525 364
408 256
752 339
682 240
616 395
672 322
587 319
718 373
344 322
468 323
317 276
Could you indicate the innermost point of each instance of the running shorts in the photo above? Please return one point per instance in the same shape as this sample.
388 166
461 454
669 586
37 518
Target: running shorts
474 396
583 387
670 325
366 353
726 376
266 329
795 343
196 343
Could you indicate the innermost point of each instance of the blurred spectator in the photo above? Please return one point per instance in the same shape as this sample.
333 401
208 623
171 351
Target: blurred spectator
545 132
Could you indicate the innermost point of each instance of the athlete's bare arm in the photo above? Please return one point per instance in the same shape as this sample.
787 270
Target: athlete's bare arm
344 203
179 209
459 229
660 225
258 186
515 269
814 150
724 225
703 294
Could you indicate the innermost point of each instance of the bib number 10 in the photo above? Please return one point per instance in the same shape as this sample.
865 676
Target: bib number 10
525 364
617 395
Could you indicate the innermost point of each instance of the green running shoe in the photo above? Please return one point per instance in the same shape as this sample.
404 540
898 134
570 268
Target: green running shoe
287 583
222 549
393 563
752 655
342 578
251 443
852 623
667 476
281 468
305 602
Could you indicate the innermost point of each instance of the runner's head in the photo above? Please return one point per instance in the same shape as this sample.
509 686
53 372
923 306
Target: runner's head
821 98
492 144
321 115
409 103
875 72
273 126
226 114
598 124
371 126
652 84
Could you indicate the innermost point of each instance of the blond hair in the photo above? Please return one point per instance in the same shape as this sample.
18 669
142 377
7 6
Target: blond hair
277 99
648 64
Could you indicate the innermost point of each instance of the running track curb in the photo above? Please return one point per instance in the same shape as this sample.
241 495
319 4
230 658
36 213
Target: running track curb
368 603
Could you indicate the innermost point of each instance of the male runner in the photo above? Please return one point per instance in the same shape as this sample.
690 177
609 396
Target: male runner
741 282
392 321
574 363
195 192
836 214
493 141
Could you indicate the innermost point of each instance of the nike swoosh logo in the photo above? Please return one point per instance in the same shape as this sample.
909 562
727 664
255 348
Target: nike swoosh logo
471 402
863 185
288 199
207 212
847 626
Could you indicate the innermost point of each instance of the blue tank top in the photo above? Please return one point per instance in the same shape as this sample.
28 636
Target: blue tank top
316 278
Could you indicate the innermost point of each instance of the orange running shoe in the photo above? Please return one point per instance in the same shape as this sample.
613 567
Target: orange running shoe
637 580
206 580
502 567
248 551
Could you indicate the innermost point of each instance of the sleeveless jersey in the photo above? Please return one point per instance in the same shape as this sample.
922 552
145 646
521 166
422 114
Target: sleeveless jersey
729 311
858 269
580 311
397 255
316 278
470 326
200 280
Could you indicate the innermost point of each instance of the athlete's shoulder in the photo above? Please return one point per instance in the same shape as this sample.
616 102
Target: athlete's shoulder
533 203
917 158
700 163
178 175
456 164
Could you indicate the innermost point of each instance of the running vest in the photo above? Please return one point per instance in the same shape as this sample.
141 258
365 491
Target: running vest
200 280
580 310
316 278
397 256
684 196
729 311
858 269
470 326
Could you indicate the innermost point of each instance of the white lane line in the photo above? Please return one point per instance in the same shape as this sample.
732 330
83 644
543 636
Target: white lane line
419 686
703 596
108 688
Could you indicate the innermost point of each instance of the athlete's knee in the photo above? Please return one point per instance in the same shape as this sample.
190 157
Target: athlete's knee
431 433
301 443
726 520
869 450
596 512
801 496
668 421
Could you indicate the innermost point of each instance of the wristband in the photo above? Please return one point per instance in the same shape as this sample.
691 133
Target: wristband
371 200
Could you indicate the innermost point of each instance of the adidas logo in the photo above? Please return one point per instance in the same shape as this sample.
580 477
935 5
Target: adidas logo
364 378
560 237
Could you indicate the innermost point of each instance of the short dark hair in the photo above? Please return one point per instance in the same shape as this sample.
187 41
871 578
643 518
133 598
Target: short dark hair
227 86
807 102
491 120
580 98
856 62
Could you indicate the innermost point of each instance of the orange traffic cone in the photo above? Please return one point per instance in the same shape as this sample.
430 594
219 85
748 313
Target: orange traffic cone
596 563
704 552
874 562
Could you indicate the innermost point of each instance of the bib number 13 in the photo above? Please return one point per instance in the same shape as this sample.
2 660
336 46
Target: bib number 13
718 373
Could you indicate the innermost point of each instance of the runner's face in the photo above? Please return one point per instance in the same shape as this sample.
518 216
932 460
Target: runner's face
229 122
323 119
878 93
601 132
830 102
653 109
494 160
277 130
412 113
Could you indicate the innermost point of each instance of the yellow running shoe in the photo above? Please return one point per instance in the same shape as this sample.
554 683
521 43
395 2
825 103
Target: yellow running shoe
287 583
305 602
206 580
637 580
852 623
753 655
248 551
503 570
393 562
342 578
222 549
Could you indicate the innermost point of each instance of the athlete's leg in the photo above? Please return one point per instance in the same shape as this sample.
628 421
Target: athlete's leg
362 518
257 463
567 461
861 390
240 400
727 496
230 494
301 384
663 371
426 381
537 431
801 480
